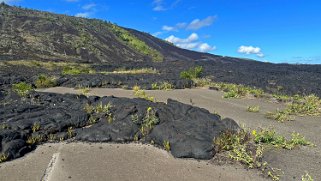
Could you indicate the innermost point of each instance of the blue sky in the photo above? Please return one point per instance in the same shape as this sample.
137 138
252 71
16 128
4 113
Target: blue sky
266 30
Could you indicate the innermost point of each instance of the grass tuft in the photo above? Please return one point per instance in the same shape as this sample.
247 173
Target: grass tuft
22 89
253 109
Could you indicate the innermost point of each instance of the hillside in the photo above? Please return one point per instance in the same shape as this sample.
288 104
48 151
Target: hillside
35 35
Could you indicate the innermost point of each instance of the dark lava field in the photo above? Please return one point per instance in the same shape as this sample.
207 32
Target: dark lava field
95 47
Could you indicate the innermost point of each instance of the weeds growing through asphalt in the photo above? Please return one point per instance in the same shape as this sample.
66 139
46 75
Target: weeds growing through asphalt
254 109
247 147
306 177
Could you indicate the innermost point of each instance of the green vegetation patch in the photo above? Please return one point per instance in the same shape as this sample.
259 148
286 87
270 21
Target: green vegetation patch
136 43
163 86
247 147
299 105
22 88
133 71
45 81
142 94
76 70
192 73
149 121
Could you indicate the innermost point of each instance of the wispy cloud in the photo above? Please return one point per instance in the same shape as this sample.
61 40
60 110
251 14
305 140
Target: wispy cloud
89 10
89 6
191 42
159 5
248 50
198 24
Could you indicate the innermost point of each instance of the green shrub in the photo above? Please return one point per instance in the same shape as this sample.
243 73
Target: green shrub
192 73
44 81
270 137
149 121
167 145
308 105
22 88
3 158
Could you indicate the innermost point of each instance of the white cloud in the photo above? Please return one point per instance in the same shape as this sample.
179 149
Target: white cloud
89 6
189 39
197 23
158 5
191 42
204 47
83 15
174 28
250 50
168 28
193 25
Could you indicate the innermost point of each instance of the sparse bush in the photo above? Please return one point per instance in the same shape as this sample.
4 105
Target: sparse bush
149 121
70 132
279 115
163 86
248 147
192 73
134 71
74 70
35 127
308 105
270 137
202 82
34 139
167 145
135 118
254 109
22 88
142 94
3 157
44 81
